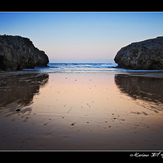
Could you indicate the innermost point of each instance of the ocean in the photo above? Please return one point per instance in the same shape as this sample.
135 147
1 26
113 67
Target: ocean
78 67
85 67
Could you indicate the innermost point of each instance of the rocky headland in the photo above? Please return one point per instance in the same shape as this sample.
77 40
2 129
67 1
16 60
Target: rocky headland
144 55
17 53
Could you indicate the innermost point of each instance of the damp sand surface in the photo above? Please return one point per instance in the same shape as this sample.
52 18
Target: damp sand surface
81 111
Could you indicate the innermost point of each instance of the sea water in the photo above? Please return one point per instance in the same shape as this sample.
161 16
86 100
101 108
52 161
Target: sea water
85 67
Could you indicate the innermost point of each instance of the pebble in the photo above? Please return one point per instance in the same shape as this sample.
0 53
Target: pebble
17 109
72 124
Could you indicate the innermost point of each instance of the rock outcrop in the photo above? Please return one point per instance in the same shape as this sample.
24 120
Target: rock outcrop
17 53
146 55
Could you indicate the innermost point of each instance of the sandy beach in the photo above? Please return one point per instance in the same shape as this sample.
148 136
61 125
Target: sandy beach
81 111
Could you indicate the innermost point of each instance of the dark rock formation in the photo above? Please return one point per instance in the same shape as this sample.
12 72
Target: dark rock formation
145 55
17 52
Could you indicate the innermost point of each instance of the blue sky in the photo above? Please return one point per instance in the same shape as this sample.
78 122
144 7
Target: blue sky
82 36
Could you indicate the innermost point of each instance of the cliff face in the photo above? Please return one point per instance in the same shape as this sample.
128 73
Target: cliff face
17 52
145 55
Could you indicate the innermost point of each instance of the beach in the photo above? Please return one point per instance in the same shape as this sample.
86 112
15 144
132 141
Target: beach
81 111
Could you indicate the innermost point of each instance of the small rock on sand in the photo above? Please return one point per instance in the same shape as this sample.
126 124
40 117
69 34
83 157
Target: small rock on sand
17 109
72 124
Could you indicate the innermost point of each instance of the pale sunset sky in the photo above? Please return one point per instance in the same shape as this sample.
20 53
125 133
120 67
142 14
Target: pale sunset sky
82 36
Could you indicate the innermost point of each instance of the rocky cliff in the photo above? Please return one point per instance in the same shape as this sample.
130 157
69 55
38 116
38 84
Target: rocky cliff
145 55
17 52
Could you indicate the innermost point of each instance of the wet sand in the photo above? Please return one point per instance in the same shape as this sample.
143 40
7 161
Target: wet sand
81 111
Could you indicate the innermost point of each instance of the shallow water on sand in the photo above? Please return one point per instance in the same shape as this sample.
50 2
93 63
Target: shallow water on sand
85 111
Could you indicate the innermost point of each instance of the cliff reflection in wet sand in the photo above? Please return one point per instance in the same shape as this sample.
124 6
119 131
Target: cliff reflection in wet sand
20 88
83 111
144 88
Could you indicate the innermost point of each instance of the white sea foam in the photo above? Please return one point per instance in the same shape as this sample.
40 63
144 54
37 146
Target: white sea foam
86 67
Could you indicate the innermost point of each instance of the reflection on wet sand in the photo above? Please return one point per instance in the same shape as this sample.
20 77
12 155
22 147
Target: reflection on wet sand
83 111
143 88
20 88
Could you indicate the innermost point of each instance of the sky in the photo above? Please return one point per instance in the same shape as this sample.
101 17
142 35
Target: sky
82 36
